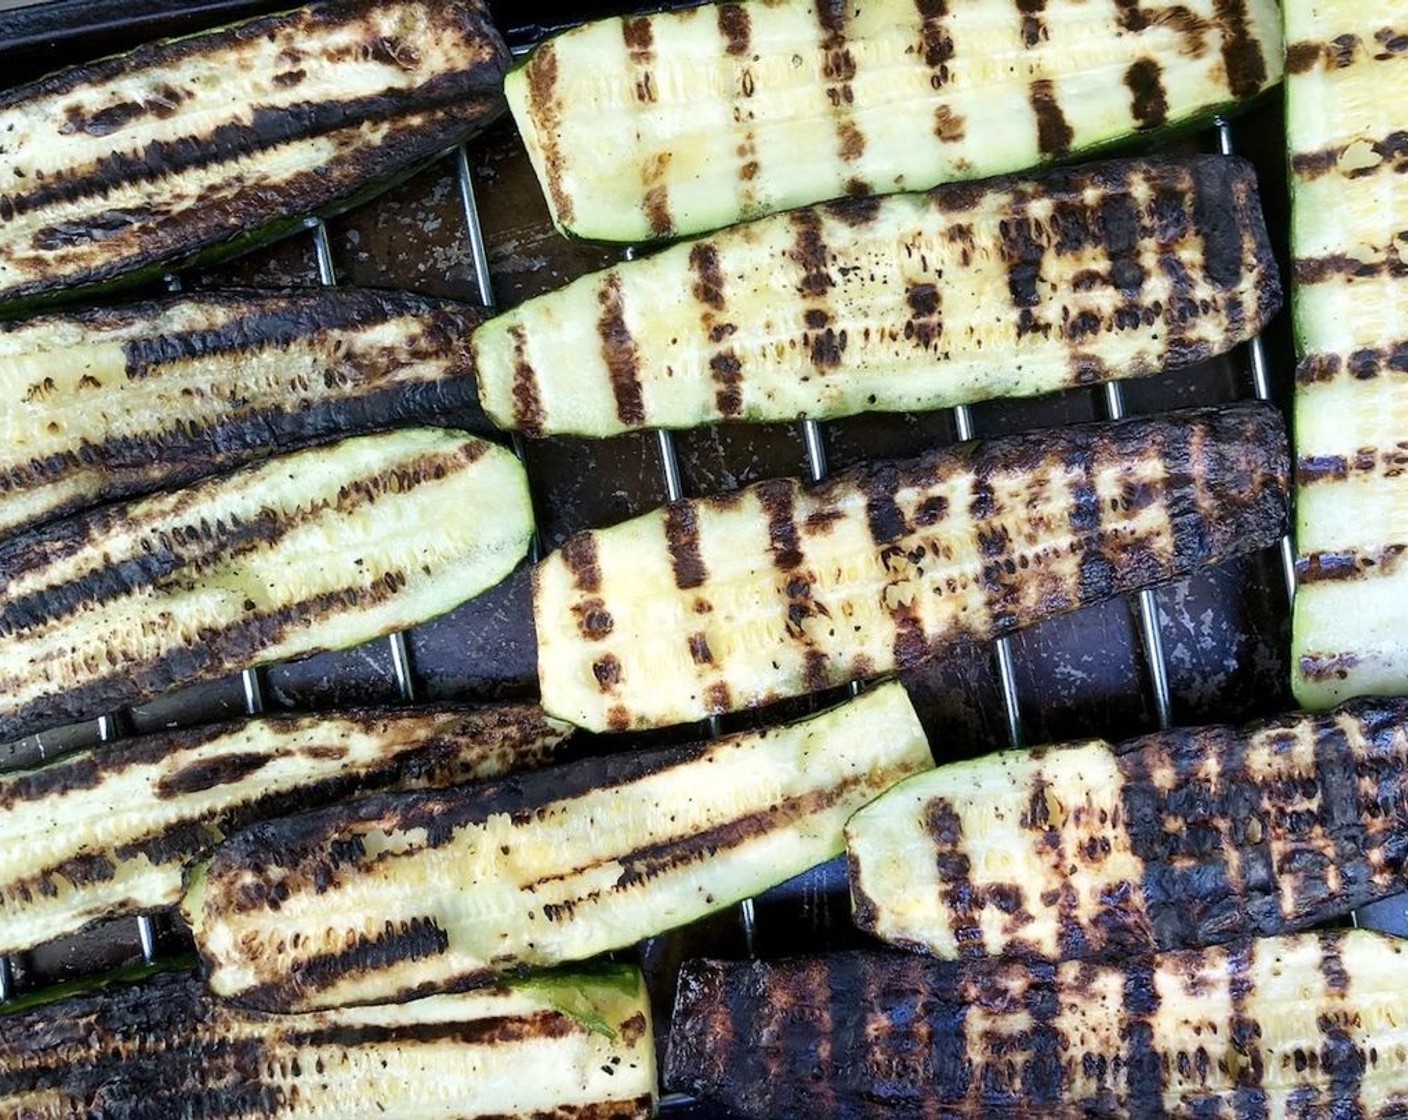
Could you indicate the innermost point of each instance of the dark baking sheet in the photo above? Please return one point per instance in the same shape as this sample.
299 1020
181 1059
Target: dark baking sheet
1224 634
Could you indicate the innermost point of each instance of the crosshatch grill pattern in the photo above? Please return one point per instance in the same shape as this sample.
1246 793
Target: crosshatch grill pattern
993 699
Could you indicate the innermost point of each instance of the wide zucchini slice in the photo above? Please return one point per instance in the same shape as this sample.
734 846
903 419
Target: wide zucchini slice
401 894
681 122
109 832
209 144
108 403
1176 839
568 1045
1306 1025
1105 271
1347 81
715 604
320 549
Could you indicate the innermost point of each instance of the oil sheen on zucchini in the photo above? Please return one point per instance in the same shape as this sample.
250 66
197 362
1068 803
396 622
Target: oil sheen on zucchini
207 144
711 605
1177 839
680 122
1347 83
108 832
401 894
1030 285
320 549
1302 1026
571 1045
108 403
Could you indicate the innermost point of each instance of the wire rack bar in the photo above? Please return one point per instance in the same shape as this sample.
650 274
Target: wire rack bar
1145 604
1002 647
7 981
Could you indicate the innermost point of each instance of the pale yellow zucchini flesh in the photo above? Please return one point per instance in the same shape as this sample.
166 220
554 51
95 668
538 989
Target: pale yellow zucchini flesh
402 894
716 604
320 549
681 122
571 1046
1026 286
1346 85
1305 1026
1180 838
109 832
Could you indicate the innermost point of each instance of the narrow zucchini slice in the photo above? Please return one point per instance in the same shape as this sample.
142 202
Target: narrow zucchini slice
1110 270
209 144
730 602
571 1045
681 122
402 894
105 404
1348 79
108 832
1182 838
320 549
1307 1026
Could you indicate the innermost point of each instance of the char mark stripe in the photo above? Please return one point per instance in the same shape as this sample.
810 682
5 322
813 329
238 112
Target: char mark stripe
618 349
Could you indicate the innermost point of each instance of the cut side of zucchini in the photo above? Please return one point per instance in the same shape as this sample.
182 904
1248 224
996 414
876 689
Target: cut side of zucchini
1306 1025
103 404
1105 271
1177 839
716 604
321 549
569 1045
398 895
108 832
681 122
210 144
1347 78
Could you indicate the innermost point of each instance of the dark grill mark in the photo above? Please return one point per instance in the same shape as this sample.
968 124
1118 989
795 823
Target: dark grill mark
709 282
882 512
811 255
936 40
208 773
414 940
736 27
496 1030
727 374
546 111
1390 152
607 671
618 350
1348 564
1241 53
594 621
1053 133
777 498
657 211
1144 1070
945 829
682 539
1390 463
639 34
1148 102
925 326
1362 364
1217 217
699 651
579 554
528 413
1033 27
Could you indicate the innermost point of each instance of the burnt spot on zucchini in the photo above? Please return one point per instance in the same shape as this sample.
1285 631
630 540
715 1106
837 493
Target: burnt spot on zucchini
682 535
1053 133
736 27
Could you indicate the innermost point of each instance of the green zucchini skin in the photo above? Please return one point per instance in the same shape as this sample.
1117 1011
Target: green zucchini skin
1346 79
320 549
102 404
672 124
189 146
718 604
398 895
1103 271
1306 1026
108 833
578 1045
1173 840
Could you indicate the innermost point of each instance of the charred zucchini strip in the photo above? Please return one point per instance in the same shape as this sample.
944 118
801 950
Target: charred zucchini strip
208 144
320 549
572 1045
1288 1026
109 832
1105 271
1177 839
1348 82
734 601
676 123
401 894
105 404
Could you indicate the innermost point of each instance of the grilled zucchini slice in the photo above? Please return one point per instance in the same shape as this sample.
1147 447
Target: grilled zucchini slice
1181 838
206 145
1289 1026
681 122
570 1045
1348 78
103 404
402 894
731 602
1106 271
108 832
320 549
